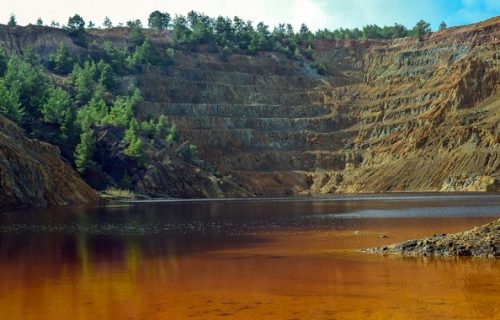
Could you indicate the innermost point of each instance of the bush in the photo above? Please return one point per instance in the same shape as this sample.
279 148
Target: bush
169 56
171 134
321 68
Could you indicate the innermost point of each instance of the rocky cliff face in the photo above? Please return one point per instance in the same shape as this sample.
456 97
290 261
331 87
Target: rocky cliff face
400 115
33 174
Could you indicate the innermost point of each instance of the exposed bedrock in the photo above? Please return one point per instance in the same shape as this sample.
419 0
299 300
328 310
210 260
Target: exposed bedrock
401 115
33 174
396 115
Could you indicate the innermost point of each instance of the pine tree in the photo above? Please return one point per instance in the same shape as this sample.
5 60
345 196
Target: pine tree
107 23
135 147
158 20
10 106
61 61
85 151
421 28
12 21
58 109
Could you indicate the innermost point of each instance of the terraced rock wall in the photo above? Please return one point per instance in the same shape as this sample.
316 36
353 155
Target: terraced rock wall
400 115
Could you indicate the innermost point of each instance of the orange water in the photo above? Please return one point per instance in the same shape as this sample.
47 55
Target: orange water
310 275
275 273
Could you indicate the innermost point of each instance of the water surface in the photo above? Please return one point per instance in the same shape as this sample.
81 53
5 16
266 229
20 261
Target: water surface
245 259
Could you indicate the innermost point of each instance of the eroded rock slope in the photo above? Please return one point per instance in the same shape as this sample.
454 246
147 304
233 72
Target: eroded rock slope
33 174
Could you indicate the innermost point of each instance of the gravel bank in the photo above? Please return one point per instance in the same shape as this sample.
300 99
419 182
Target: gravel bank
483 241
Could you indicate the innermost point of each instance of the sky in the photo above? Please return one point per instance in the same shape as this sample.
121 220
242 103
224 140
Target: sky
317 14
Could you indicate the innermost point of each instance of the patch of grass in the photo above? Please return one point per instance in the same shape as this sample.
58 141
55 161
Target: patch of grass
115 193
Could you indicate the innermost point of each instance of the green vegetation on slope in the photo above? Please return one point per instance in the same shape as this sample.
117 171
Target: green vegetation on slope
63 99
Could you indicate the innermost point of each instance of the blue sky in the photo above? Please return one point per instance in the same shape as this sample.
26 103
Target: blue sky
315 13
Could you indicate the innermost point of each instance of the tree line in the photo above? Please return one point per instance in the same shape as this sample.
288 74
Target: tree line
236 33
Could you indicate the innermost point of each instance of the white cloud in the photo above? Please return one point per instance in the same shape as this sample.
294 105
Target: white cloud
312 13
271 12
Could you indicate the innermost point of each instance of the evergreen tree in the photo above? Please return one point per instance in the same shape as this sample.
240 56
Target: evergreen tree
421 28
84 80
304 33
29 82
31 56
76 28
224 31
39 22
372 31
135 147
106 77
3 61
61 61
58 109
116 58
442 26
85 151
91 114
10 105
158 20
121 112
171 133
400 31
107 23
12 21
136 36
181 32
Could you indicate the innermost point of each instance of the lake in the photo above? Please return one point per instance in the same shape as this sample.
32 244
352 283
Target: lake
273 258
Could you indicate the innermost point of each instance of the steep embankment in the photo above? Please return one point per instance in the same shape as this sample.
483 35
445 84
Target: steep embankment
399 115
33 174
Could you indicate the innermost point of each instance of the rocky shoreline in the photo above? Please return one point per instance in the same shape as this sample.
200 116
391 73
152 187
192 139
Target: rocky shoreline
483 241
